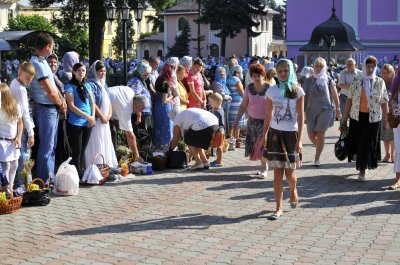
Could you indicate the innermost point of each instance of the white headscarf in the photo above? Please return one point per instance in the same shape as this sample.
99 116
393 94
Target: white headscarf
92 75
367 78
323 80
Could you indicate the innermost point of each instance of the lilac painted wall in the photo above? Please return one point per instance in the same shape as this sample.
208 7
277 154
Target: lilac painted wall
378 31
377 14
304 15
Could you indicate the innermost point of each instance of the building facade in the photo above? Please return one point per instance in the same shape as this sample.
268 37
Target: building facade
8 10
240 45
376 25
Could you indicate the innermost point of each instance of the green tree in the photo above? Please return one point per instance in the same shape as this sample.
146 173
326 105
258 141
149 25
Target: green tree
182 43
279 23
22 22
231 17
72 23
97 18
117 40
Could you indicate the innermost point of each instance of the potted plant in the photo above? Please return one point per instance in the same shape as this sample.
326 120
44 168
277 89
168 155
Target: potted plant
124 156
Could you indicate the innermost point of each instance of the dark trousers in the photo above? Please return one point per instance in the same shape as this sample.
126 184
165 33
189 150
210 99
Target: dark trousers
78 137
114 132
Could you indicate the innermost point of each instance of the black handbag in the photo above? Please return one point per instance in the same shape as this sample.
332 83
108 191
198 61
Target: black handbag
176 159
341 147
36 198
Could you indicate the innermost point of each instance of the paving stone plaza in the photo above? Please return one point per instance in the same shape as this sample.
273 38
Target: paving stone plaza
217 216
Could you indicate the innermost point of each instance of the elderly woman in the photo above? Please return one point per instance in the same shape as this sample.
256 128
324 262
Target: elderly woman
304 74
387 74
320 92
254 101
395 106
270 76
197 128
367 104
143 122
282 133
235 86
100 140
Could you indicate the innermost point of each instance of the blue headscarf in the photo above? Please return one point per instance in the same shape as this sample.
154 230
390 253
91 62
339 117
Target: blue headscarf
219 79
291 79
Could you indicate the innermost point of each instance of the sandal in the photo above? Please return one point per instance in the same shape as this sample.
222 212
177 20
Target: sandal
386 159
394 186
275 216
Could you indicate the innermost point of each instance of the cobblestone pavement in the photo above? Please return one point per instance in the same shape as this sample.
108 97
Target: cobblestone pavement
215 217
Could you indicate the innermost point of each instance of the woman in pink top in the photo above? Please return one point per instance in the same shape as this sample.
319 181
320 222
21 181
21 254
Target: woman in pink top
254 101
197 97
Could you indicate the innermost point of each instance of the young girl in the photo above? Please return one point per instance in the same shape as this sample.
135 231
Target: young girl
283 131
10 134
26 72
81 115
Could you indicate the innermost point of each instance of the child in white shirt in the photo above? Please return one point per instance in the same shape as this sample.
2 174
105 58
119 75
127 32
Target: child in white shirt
10 134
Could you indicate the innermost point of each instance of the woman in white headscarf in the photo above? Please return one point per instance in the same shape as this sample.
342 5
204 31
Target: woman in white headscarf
367 105
321 93
100 140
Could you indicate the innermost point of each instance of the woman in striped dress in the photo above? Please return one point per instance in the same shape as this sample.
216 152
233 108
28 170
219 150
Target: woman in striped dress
234 83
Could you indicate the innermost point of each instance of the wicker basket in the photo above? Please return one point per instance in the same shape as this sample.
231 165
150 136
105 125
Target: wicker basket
12 205
104 169
33 181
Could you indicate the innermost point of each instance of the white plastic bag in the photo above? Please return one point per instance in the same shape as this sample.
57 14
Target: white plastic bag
66 180
92 175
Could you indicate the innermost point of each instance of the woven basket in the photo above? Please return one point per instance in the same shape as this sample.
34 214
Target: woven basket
33 181
12 205
104 169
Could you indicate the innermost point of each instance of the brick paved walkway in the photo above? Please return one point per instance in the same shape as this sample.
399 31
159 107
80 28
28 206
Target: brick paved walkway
215 217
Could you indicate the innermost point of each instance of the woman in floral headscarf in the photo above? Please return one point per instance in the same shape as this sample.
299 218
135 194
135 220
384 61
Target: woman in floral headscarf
100 138
367 106
219 86
143 122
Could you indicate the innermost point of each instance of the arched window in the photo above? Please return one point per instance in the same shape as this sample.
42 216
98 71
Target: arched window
160 53
214 50
182 21
146 54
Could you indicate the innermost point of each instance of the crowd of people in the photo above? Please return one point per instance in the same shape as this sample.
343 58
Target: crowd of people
71 112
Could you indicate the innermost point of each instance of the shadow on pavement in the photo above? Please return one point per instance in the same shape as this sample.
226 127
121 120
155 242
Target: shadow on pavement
393 207
187 221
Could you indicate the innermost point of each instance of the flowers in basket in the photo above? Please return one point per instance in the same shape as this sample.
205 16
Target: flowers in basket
125 157
153 155
25 174
182 146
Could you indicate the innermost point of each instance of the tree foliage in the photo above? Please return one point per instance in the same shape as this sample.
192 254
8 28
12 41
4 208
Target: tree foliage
97 17
182 43
22 22
231 17
72 23
279 23
118 39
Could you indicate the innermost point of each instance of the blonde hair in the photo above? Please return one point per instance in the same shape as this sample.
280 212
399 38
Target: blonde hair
28 68
320 62
8 103
389 68
217 97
